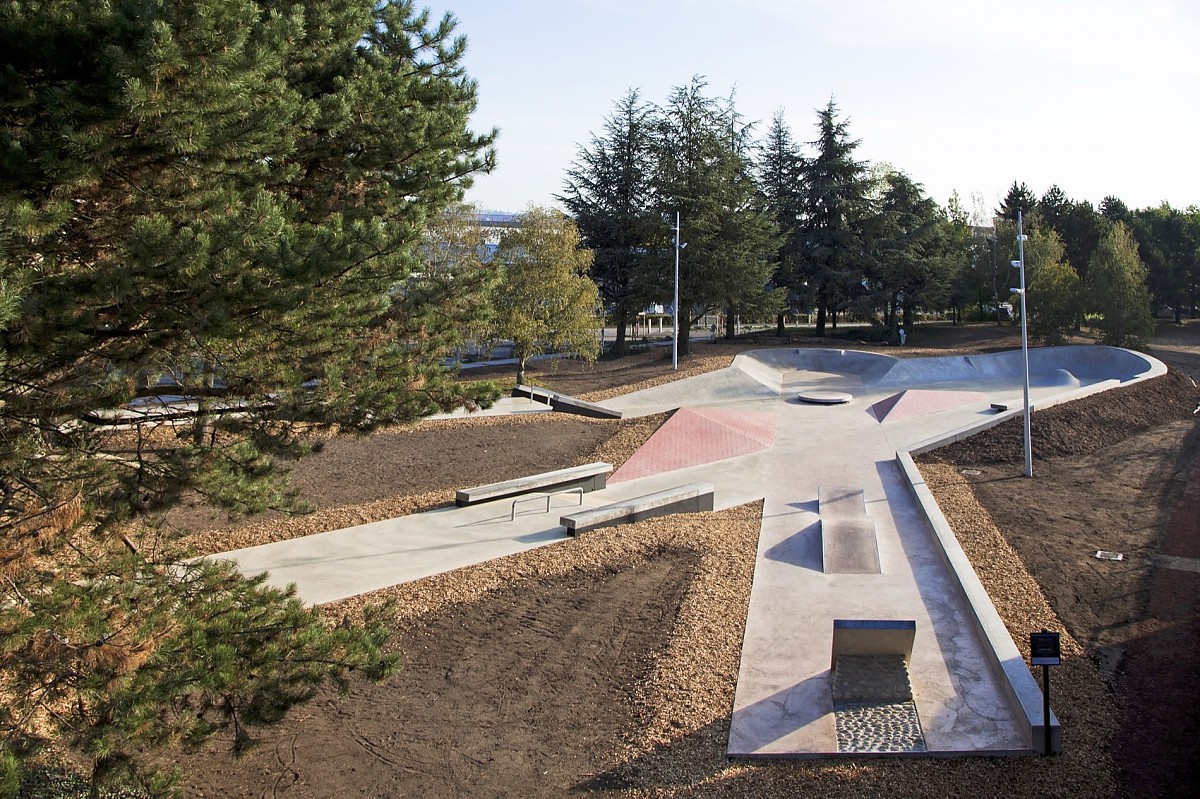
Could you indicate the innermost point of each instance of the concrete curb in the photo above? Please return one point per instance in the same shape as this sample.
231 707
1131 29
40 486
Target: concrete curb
1025 696
1024 693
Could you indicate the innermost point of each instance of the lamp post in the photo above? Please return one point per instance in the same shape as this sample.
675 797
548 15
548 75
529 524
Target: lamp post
1020 264
675 305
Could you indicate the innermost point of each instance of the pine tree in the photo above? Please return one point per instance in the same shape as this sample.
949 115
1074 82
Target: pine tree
610 192
834 216
222 200
909 265
704 173
780 173
1019 198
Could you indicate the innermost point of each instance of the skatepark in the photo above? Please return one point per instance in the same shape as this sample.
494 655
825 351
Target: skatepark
744 431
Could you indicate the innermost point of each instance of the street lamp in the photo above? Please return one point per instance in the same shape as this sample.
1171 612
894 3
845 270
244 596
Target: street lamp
675 306
1020 264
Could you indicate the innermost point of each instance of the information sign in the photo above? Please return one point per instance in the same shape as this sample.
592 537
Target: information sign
1044 649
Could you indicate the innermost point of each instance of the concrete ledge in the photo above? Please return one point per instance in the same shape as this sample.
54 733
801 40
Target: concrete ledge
589 477
873 637
1024 693
689 498
565 404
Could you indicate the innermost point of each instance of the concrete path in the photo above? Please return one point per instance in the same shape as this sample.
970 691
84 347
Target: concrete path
783 704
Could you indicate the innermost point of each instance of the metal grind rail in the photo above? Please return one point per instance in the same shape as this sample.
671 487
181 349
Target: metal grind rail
546 496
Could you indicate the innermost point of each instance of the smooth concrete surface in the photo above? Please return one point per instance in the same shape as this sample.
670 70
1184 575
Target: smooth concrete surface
849 546
783 705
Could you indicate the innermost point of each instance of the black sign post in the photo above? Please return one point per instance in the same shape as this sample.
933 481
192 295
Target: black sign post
1045 650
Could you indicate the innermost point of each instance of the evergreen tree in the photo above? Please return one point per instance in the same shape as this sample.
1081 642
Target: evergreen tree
610 193
1052 208
223 200
780 172
1168 254
545 299
909 264
1081 228
833 216
1114 209
704 173
1019 198
1116 290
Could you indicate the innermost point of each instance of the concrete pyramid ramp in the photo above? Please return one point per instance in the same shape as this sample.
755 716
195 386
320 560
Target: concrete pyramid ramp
695 436
918 402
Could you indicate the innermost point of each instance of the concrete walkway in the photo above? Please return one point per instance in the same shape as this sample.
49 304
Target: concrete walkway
783 705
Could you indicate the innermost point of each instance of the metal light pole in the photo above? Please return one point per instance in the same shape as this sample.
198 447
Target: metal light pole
675 305
1024 344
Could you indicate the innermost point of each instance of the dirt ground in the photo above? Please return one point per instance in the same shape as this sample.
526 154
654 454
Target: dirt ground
605 665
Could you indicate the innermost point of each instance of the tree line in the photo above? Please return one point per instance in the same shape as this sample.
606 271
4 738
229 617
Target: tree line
774 227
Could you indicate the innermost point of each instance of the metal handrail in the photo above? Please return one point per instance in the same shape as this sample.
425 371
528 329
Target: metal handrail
546 496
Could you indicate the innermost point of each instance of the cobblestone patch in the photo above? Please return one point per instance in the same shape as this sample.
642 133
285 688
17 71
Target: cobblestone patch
872 705
879 727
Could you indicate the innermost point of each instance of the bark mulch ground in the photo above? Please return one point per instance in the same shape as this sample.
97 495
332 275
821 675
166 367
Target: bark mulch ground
606 664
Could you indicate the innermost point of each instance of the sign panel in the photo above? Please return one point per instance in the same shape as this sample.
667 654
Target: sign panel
1045 649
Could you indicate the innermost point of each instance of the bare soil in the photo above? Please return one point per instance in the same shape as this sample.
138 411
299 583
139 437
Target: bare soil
606 664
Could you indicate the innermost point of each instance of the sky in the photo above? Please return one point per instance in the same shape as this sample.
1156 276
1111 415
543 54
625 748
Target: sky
1098 97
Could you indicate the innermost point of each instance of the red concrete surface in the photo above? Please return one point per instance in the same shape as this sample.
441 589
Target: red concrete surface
918 402
695 436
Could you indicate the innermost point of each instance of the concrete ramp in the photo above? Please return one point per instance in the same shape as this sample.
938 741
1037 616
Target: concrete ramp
918 402
713 388
848 541
695 436
1068 366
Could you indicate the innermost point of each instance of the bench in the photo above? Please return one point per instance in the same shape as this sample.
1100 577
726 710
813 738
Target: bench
589 477
689 498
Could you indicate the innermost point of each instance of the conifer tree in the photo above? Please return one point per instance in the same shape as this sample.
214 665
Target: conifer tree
909 265
780 173
834 215
704 172
1019 198
221 201
609 191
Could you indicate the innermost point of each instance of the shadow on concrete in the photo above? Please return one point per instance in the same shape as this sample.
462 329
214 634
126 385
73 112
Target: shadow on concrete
802 549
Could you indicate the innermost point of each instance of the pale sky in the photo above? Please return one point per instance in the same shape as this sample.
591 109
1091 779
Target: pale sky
1097 96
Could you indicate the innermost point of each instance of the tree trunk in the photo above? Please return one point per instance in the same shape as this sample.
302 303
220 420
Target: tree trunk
620 346
521 370
779 326
730 325
820 331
